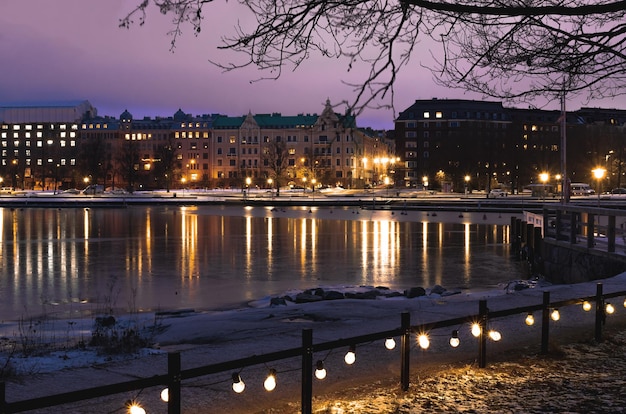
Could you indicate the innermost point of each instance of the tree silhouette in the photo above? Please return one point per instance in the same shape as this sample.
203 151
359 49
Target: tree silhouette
512 49
276 157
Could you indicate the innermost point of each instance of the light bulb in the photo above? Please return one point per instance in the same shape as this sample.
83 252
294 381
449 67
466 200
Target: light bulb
454 340
495 335
270 381
610 309
586 306
320 371
350 357
390 343
135 408
238 384
530 319
423 341
476 330
165 395
555 315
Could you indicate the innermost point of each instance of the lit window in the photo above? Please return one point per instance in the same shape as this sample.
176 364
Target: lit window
39 134
72 144
62 143
16 127
4 143
438 114
72 134
63 126
63 134
39 144
28 127
426 114
16 143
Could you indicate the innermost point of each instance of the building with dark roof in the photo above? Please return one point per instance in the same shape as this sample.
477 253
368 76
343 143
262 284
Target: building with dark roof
454 143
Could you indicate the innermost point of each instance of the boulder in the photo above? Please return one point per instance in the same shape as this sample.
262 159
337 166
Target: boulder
415 292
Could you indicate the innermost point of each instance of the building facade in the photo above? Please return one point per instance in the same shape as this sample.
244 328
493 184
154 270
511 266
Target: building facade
455 144
184 151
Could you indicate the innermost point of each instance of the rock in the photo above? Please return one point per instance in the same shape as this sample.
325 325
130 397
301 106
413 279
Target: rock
415 292
274 302
305 297
393 294
370 294
438 290
333 295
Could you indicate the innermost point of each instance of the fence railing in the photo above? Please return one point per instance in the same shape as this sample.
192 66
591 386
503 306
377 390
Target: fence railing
175 376
593 227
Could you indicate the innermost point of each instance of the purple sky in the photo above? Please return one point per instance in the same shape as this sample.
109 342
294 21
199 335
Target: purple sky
73 49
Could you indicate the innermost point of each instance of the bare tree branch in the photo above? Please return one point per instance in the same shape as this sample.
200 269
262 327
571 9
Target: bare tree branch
510 49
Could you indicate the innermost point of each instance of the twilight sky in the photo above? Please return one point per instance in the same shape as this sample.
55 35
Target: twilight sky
73 49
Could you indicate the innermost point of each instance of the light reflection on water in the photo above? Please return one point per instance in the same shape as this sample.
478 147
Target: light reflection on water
146 258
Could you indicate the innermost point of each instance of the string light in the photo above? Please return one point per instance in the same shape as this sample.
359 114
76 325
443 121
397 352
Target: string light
495 335
350 357
530 319
238 384
476 329
610 309
135 408
165 395
555 315
586 306
423 341
270 381
320 371
390 343
454 340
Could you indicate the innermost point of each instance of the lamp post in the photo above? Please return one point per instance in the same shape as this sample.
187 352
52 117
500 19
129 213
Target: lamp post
248 182
559 184
387 181
270 183
543 177
425 182
467 180
599 174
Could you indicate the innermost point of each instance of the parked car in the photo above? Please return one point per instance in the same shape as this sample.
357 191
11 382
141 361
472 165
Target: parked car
497 193
618 191
581 189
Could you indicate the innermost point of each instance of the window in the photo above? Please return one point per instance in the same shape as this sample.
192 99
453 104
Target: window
439 114
426 114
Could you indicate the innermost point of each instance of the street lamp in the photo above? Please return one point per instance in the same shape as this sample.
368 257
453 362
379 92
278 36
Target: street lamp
599 174
248 182
425 182
304 184
467 180
543 177
387 185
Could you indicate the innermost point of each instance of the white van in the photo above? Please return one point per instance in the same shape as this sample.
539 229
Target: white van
578 189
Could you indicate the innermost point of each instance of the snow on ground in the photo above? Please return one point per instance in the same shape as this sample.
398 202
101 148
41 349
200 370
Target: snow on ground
443 380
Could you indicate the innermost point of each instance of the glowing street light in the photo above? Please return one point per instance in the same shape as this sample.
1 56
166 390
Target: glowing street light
467 180
598 173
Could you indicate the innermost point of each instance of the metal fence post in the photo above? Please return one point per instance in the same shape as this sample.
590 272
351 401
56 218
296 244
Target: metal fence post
3 401
307 371
482 338
173 387
405 345
545 323
600 313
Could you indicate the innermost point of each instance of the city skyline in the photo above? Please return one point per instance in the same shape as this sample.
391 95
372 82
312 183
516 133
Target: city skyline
74 50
